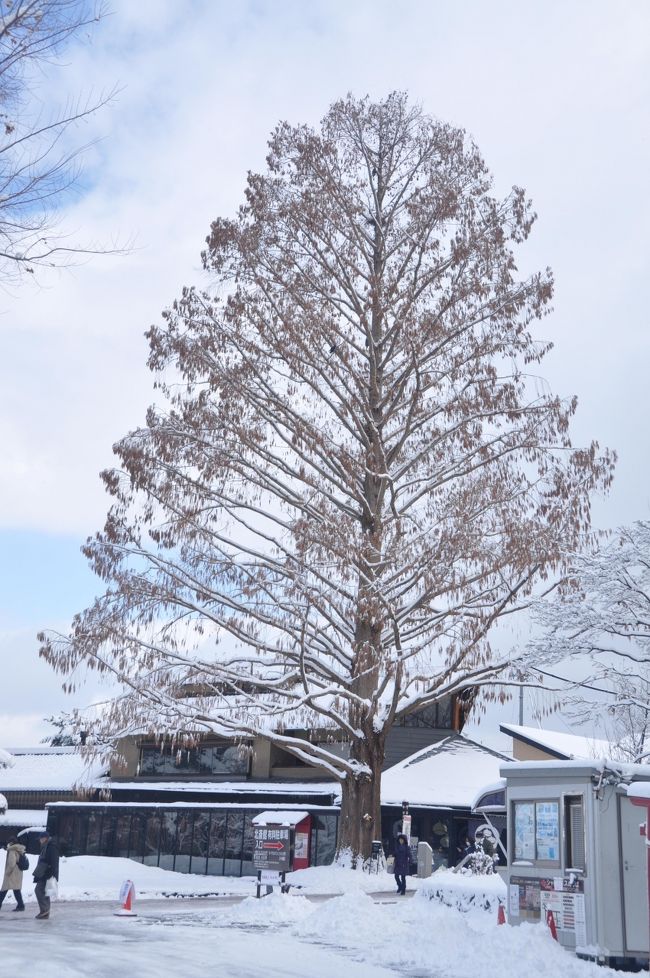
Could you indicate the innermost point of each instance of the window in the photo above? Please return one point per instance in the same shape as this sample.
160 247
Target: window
152 840
108 835
93 839
323 839
234 843
216 843
537 831
167 843
248 866
435 716
574 832
65 833
207 760
122 835
185 833
200 840
137 837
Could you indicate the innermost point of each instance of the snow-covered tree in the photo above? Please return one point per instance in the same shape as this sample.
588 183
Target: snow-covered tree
601 617
38 163
354 478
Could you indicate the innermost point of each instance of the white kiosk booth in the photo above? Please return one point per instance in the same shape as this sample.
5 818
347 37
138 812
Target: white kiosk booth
575 849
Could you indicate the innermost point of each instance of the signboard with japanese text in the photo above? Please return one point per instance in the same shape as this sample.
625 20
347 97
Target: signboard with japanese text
547 821
565 896
524 830
530 899
524 898
273 848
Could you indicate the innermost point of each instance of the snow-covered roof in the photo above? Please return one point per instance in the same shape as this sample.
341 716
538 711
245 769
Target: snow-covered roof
48 769
564 746
183 805
448 775
31 828
226 787
639 789
23 816
279 817
622 771
498 788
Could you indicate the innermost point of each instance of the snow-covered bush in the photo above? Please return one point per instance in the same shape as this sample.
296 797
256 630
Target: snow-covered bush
464 892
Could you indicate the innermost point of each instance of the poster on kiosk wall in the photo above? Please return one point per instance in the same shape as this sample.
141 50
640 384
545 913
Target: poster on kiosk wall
406 827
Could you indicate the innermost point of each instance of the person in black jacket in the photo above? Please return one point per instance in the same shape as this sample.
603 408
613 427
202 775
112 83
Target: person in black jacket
47 868
402 863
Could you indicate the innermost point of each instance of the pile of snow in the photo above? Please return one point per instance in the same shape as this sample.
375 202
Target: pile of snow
3 804
420 936
275 910
100 878
465 892
424 937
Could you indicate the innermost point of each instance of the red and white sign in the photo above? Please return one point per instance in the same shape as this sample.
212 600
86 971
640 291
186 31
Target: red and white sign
406 826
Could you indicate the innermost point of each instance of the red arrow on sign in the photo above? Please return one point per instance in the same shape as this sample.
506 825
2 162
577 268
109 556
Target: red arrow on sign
273 845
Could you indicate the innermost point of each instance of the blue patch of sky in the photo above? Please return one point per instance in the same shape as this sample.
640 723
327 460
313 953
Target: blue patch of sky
44 579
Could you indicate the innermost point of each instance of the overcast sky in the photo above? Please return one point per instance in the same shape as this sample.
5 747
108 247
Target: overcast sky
556 95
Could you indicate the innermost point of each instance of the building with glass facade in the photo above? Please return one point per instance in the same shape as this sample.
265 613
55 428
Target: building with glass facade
213 839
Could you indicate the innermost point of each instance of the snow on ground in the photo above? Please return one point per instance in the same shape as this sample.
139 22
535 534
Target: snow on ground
84 939
439 931
100 878
283 937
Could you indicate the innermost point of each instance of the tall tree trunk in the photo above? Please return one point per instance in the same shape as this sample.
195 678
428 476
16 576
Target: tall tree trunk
361 802
360 820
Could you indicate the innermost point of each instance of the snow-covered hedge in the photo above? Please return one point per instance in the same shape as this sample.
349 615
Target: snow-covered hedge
464 891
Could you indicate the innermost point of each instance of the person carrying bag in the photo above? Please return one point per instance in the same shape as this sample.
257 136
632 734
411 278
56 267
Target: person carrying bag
46 875
13 876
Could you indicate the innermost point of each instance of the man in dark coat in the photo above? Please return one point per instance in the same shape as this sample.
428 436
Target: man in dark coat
402 863
47 868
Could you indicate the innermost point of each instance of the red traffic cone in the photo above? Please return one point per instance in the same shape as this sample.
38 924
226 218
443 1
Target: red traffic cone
550 923
127 896
501 914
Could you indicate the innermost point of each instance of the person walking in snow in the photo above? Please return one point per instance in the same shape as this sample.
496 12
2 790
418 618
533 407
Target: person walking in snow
13 877
402 863
47 868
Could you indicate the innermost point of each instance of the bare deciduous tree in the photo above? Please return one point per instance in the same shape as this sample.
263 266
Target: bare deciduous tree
355 477
38 166
601 617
